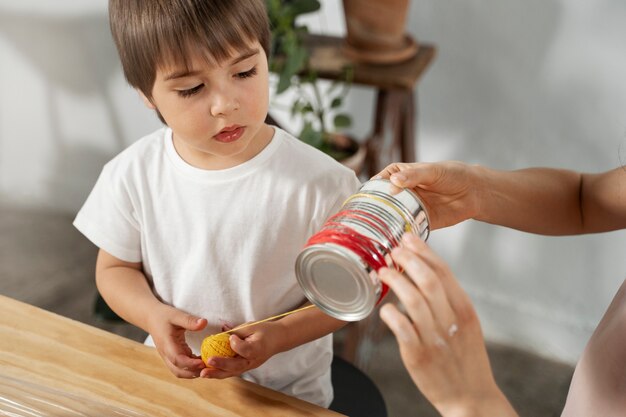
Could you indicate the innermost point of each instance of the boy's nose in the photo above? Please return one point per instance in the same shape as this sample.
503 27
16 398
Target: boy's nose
223 104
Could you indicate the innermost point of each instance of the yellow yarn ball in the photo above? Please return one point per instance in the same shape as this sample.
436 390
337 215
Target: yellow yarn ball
216 345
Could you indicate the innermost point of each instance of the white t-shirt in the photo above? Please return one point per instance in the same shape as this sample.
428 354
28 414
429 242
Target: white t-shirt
222 244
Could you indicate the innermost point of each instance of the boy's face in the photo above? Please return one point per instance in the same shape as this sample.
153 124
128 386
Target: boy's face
216 112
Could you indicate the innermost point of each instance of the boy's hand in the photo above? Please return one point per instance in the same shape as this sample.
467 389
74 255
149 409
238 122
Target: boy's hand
167 328
254 345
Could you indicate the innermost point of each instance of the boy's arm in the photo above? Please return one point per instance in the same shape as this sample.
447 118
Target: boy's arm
256 344
304 327
125 288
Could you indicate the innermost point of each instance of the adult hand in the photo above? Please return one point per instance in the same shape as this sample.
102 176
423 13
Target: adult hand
253 346
439 335
167 328
447 189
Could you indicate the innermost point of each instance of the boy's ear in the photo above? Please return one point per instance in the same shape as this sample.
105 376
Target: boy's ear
146 100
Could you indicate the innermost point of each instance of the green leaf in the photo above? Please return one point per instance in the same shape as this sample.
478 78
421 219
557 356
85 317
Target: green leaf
311 136
336 103
296 107
342 121
305 6
295 60
284 82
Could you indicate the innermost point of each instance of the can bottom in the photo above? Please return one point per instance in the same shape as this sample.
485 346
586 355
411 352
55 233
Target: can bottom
337 282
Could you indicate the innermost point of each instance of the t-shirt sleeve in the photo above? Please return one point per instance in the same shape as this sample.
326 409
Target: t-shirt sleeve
348 185
343 186
108 218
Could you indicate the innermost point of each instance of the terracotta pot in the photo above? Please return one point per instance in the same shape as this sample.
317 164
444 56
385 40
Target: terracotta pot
376 31
358 151
356 162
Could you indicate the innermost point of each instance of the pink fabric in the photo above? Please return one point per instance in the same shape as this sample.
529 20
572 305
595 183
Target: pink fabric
598 387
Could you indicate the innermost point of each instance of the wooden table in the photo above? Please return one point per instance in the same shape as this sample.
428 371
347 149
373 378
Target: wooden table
395 114
80 361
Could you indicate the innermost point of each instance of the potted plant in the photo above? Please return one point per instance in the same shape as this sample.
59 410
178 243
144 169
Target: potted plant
317 107
376 31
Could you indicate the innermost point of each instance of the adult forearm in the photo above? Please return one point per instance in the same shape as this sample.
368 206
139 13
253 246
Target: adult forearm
537 200
493 404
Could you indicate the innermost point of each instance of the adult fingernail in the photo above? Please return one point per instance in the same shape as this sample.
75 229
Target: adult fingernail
398 178
387 275
410 238
377 177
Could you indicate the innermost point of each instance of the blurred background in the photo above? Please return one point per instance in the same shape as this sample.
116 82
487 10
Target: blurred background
514 84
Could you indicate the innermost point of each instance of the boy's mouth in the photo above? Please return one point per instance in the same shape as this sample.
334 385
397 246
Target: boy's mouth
229 134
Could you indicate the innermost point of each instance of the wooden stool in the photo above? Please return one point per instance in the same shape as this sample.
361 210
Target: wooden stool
393 136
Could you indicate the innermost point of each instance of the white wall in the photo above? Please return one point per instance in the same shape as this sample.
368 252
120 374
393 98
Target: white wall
528 83
65 108
515 84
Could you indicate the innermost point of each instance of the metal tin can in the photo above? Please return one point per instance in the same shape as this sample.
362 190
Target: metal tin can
337 269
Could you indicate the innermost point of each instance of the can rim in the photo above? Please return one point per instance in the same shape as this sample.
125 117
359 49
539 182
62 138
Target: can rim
366 292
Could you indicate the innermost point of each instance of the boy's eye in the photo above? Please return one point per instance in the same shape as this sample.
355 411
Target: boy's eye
246 74
191 91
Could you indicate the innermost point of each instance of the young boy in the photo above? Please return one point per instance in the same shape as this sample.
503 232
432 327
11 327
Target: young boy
199 223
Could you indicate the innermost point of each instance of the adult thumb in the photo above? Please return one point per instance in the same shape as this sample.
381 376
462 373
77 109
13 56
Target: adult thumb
414 175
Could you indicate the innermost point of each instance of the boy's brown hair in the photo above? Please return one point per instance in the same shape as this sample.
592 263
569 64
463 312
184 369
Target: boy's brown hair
150 34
